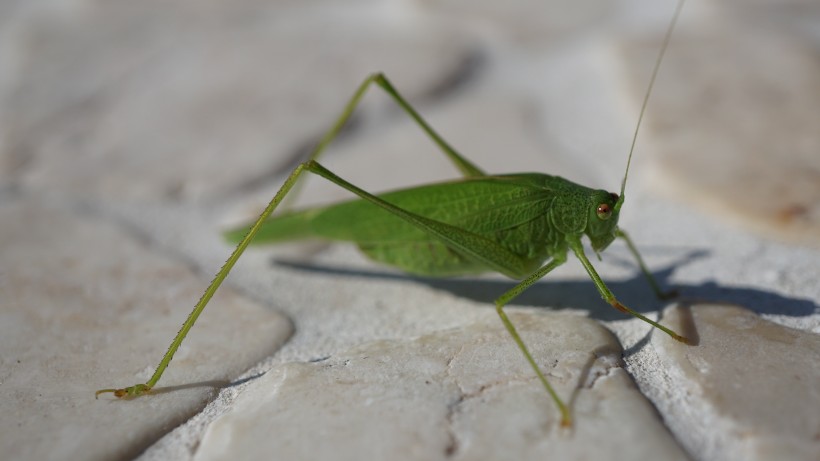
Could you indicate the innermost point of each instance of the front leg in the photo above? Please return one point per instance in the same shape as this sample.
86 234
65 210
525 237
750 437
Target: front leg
578 249
566 417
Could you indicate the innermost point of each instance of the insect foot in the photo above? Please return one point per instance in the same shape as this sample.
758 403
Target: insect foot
128 392
617 305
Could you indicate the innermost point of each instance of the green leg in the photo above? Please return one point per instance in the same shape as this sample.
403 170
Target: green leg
652 282
566 418
480 248
140 389
467 168
578 249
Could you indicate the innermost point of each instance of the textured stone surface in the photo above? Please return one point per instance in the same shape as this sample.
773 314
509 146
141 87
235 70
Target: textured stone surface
128 87
753 382
85 306
455 394
734 136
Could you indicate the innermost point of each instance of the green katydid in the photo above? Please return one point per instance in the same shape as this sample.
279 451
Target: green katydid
520 225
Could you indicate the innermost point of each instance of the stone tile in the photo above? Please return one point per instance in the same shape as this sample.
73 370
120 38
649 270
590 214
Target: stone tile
465 393
733 123
748 390
84 306
153 100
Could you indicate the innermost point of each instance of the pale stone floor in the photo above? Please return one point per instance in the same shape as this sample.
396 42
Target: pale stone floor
133 133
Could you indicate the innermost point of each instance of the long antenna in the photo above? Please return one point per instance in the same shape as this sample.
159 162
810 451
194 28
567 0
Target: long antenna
646 96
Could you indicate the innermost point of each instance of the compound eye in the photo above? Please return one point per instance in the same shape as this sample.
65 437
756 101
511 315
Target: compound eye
604 211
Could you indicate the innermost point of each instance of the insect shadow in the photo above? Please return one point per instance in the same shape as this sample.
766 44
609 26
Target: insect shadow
580 293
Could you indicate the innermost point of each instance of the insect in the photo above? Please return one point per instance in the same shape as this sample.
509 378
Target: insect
520 225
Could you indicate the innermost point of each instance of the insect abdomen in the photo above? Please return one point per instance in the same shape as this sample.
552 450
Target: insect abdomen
424 257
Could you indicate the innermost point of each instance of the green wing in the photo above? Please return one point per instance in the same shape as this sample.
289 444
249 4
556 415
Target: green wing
504 208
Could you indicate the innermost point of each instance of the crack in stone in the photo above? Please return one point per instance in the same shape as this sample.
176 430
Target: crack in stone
454 407
607 360
453 444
